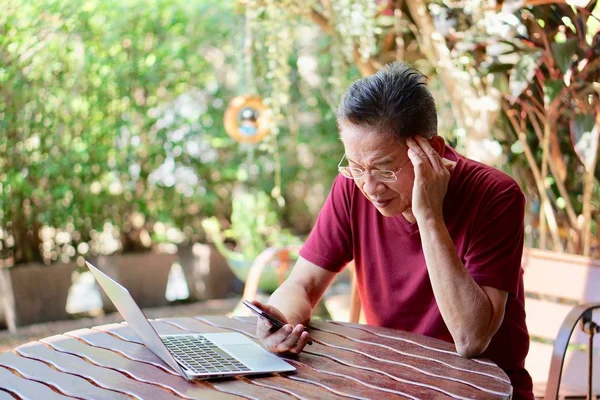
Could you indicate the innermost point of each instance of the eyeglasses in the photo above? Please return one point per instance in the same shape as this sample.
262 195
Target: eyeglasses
382 175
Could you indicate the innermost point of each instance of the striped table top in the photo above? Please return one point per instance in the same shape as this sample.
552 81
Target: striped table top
346 361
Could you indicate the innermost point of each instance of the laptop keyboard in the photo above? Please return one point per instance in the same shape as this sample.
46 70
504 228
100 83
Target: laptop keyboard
200 355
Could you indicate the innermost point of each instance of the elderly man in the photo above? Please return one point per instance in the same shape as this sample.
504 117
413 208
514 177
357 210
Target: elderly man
436 238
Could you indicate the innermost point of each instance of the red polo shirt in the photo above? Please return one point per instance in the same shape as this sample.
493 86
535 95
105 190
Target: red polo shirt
483 211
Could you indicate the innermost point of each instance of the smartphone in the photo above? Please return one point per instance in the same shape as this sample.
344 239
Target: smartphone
277 324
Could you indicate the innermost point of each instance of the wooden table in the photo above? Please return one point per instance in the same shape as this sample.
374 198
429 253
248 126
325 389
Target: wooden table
346 361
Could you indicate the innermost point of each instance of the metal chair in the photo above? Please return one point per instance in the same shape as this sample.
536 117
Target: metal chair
581 313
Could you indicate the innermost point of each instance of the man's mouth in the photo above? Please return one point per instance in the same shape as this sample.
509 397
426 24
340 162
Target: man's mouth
381 203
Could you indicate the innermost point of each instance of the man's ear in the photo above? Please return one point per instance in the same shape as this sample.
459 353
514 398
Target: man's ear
438 143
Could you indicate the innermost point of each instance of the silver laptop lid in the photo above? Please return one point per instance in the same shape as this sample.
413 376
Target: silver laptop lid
134 317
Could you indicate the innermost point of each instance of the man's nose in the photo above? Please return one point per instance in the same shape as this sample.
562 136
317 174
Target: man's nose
371 185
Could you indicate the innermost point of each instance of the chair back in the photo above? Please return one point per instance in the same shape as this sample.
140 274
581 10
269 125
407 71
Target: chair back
554 283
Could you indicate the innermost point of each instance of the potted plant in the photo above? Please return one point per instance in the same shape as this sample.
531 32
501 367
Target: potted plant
35 274
130 257
254 227
207 272
41 170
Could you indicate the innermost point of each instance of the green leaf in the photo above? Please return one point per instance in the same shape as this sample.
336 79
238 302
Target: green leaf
593 25
501 83
584 136
499 67
523 73
563 53
552 89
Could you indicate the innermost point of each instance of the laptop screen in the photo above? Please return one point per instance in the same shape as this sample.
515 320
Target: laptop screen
134 316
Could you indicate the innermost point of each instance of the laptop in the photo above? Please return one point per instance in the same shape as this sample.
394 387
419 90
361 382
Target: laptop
194 355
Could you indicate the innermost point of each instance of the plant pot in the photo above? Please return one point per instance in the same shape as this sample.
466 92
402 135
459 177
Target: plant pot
144 275
207 273
32 293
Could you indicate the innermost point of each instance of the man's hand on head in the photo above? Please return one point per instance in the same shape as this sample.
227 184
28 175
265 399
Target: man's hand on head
431 179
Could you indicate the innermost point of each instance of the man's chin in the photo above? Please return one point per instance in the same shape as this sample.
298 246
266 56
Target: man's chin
391 210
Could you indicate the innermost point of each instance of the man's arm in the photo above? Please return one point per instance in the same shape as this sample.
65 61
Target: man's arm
471 312
301 291
293 303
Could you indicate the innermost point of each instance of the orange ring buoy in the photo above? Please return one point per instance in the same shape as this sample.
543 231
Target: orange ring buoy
247 119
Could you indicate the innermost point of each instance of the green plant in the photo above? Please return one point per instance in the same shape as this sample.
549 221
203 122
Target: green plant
515 86
111 113
46 133
254 227
101 104
545 60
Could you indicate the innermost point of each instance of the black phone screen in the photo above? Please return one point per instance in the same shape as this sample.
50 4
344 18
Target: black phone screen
277 324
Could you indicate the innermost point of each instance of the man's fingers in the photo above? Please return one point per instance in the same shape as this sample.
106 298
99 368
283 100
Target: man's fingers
275 340
430 153
304 338
416 160
263 327
291 341
415 149
286 339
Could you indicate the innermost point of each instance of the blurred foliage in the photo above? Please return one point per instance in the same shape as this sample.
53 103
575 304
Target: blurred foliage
111 113
111 133
255 225
516 84
545 62
96 96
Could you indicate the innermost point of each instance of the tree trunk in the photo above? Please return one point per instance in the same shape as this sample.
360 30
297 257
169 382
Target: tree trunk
475 110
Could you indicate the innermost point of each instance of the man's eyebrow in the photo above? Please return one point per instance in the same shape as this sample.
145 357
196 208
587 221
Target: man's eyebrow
385 160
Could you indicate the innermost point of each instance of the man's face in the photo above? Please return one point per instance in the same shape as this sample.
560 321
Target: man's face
369 150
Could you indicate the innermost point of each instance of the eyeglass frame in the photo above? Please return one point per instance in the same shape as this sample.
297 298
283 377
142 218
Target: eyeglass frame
394 174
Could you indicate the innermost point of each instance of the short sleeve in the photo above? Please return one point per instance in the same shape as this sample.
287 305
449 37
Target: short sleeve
329 244
494 253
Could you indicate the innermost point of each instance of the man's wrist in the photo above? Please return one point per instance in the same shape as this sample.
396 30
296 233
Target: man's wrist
428 219
294 311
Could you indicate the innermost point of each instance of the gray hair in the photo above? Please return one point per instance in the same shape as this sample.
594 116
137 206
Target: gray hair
395 101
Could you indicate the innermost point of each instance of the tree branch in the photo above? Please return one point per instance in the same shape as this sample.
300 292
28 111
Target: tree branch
534 116
323 22
547 209
366 68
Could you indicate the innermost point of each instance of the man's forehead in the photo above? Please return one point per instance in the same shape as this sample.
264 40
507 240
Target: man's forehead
365 146
366 143
347 130
372 157
367 138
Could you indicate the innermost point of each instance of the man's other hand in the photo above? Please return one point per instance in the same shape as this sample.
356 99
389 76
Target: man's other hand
287 339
